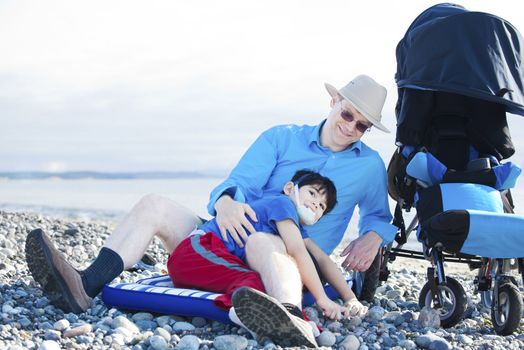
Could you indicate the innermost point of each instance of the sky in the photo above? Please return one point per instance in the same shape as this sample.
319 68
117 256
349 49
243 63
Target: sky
186 85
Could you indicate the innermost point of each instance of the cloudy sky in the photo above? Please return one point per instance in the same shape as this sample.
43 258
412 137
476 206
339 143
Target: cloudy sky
180 85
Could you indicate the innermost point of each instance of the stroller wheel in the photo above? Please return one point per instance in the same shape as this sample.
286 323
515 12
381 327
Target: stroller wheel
453 299
507 313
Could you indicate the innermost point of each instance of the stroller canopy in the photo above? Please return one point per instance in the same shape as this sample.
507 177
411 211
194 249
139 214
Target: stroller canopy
450 49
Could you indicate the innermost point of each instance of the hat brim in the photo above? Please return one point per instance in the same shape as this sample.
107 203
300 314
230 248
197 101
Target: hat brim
333 91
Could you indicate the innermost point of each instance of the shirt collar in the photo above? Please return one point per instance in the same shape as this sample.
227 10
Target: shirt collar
314 137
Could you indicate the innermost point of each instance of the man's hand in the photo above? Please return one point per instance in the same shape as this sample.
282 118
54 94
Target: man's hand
361 252
231 217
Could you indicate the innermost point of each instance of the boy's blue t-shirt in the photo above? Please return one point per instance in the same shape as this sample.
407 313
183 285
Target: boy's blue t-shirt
269 210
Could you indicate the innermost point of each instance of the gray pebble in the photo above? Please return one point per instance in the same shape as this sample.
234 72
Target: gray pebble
440 344
183 326
163 333
407 344
326 338
118 339
376 313
188 342
199 322
429 317
49 345
125 332
51 334
122 321
158 342
140 316
46 325
41 303
25 322
393 294
163 320
145 325
426 339
335 326
355 321
351 342
60 325
464 339
79 330
387 341
230 342
363 347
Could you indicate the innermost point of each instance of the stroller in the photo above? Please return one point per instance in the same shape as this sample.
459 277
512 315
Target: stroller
458 73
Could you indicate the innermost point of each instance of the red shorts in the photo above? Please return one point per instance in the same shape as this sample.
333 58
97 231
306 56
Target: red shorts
203 262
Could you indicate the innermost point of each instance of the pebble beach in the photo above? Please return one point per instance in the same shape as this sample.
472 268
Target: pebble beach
394 321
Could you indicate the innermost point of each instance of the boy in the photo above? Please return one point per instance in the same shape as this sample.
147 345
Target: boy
204 260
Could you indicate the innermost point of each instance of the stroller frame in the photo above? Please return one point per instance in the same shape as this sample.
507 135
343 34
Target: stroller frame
498 289
458 73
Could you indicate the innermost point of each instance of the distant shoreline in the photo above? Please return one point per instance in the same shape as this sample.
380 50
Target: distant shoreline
98 175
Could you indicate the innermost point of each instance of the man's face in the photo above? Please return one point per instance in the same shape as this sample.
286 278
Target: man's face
344 126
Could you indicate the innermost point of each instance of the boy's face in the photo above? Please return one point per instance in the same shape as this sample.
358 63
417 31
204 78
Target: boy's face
311 196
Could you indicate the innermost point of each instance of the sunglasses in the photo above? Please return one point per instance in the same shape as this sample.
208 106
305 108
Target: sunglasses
349 117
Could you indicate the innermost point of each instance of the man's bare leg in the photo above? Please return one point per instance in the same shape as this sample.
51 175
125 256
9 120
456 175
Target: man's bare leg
267 255
152 216
72 290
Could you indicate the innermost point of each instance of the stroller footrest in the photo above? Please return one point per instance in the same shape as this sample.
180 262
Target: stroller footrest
476 232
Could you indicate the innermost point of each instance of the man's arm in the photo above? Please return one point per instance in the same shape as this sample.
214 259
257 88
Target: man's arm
296 248
227 200
374 224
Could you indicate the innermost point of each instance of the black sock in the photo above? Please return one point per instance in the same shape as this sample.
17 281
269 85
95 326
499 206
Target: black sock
104 269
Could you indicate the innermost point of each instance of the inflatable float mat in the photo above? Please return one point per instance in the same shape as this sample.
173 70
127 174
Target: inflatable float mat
157 294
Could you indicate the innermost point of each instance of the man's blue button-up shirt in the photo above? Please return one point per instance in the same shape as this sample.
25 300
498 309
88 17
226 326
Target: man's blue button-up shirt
358 172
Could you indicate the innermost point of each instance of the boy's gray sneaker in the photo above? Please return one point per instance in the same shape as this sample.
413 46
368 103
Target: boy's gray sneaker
234 318
60 281
268 318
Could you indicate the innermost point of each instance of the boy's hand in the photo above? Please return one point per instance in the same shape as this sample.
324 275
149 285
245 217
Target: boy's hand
353 307
330 308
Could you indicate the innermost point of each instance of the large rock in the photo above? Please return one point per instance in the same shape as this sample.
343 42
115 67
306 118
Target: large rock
350 342
188 342
122 321
230 342
429 317
326 338
76 331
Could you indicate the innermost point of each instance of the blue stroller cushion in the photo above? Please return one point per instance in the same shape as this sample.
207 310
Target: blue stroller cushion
469 218
429 171
157 294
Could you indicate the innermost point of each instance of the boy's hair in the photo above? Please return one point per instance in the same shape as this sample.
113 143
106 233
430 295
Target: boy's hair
308 177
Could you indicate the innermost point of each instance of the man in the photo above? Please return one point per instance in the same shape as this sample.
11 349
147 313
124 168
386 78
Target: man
332 148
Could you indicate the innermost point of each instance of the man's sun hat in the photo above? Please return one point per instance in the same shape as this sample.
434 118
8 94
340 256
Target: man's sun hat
366 95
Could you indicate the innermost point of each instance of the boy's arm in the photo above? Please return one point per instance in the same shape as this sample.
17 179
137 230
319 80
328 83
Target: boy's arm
295 247
335 278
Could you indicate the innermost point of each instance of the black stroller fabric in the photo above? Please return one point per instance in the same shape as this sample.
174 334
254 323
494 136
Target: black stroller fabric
450 49
458 73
